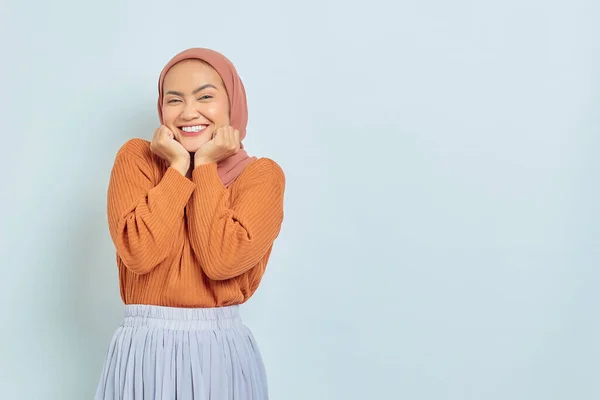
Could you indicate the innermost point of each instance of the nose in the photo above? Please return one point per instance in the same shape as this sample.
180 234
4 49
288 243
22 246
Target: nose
190 112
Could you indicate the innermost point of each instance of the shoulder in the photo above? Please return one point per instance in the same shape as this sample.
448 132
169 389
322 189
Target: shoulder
262 172
135 148
138 151
135 156
266 168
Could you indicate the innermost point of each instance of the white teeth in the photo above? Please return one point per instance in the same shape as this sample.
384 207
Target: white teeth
196 128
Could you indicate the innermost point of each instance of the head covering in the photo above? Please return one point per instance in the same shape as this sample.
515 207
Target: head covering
231 167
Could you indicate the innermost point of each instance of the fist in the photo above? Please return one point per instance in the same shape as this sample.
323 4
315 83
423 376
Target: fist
224 144
166 147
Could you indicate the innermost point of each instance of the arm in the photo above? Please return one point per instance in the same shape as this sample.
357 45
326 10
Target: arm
142 217
230 237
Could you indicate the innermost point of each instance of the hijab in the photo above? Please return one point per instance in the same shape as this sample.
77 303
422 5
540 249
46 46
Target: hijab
230 168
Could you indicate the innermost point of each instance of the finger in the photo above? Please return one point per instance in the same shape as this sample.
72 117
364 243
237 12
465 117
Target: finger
235 140
216 133
236 136
160 132
224 134
167 133
229 139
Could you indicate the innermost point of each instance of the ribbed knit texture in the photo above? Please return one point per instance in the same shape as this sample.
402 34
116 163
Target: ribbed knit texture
191 243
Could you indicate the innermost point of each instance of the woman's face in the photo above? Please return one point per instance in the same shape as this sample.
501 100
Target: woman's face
195 103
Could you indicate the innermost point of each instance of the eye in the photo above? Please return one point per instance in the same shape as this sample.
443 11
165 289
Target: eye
205 97
172 101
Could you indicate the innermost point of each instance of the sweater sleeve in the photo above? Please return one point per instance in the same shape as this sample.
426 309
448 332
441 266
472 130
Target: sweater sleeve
230 237
142 216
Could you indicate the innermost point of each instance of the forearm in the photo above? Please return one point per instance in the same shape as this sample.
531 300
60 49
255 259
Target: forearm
230 237
143 223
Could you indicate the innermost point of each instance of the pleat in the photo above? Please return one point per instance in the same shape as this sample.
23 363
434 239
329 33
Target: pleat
206 355
128 364
257 365
185 388
159 370
238 370
182 354
123 352
215 368
228 363
168 380
105 386
132 381
147 370
199 388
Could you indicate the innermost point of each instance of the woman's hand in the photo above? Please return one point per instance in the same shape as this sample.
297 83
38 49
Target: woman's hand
224 144
166 147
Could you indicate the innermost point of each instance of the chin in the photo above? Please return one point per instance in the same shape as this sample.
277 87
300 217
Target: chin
192 144
191 149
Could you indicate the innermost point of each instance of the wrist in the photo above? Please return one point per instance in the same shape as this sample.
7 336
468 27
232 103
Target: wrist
202 161
181 165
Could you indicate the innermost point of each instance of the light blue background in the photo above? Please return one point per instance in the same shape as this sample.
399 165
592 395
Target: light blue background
442 231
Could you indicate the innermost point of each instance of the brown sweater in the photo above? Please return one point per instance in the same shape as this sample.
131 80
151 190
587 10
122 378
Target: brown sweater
191 243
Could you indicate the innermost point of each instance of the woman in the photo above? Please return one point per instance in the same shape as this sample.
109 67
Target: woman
193 219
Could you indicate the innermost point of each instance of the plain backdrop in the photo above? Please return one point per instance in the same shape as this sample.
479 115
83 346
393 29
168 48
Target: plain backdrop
441 238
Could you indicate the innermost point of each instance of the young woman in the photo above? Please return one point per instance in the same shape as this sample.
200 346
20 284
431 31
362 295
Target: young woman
193 219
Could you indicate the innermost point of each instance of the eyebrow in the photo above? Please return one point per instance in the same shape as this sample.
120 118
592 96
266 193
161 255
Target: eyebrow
201 88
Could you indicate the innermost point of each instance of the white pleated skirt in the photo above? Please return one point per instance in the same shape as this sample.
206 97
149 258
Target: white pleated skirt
165 353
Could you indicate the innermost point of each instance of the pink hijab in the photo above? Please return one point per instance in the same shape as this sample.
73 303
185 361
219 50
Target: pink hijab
230 168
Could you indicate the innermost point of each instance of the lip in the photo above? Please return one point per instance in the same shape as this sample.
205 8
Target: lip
192 134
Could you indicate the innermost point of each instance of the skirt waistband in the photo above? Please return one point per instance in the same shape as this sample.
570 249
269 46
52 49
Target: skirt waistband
174 318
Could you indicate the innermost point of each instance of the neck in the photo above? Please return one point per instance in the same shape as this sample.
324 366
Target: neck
191 168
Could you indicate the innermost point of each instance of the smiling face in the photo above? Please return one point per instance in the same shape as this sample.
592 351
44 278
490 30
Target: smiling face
195 103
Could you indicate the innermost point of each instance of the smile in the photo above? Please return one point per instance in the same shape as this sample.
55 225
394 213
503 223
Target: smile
193 130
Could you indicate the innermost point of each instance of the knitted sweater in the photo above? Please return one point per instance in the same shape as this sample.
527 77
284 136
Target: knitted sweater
191 242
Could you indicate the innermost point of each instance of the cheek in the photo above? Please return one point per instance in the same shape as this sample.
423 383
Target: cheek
169 115
219 113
